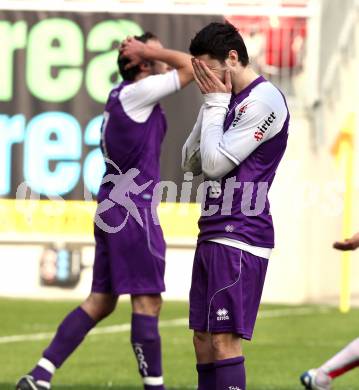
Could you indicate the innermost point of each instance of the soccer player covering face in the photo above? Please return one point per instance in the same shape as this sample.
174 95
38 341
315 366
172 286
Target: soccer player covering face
130 249
345 360
237 143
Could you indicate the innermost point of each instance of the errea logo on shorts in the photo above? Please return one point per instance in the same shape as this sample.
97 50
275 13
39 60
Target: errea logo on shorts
222 314
234 388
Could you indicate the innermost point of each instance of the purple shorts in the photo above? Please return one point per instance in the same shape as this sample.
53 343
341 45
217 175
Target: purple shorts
132 260
227 285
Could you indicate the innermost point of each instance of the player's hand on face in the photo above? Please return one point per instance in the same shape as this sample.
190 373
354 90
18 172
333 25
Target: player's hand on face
207 81
349 244
133 50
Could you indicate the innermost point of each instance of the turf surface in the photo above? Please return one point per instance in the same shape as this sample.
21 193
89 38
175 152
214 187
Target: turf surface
287 341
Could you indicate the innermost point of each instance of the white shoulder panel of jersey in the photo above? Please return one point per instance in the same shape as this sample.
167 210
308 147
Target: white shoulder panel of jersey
138 99
257 119
270 95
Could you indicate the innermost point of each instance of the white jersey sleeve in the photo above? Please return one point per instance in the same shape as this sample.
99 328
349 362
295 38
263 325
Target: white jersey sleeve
214 163
191 156
138 99
257 119
257 122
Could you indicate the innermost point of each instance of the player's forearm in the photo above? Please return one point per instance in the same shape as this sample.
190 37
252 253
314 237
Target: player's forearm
214 163
212 133
175 59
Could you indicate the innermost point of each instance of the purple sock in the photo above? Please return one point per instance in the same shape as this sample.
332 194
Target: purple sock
230 374
146 343
206 376
69 336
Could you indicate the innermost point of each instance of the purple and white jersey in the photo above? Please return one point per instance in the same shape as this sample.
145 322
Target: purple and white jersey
254 138
133 129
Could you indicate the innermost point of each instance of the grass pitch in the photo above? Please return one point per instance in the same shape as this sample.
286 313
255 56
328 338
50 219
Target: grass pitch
287 341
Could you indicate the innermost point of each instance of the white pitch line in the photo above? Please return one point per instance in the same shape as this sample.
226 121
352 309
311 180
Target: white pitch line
275 313
289 312
101 330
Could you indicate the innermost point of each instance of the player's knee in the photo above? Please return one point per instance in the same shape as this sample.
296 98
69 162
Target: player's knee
203 347
201 340
226 345
99 306
147 304
219 342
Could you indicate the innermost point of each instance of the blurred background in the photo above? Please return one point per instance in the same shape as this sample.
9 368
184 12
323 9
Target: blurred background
58 63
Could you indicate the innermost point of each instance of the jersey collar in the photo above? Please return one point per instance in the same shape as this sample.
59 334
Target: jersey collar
245 92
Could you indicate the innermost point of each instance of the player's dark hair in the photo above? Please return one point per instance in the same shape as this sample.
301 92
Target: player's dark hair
216 40
131 73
